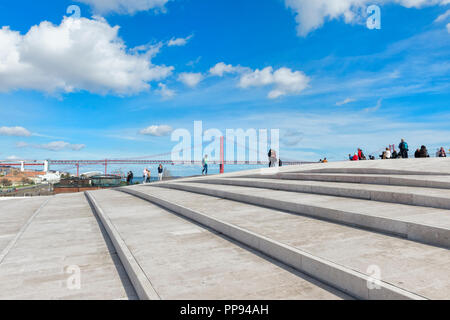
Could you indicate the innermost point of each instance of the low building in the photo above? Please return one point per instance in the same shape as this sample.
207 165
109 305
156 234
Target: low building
83 183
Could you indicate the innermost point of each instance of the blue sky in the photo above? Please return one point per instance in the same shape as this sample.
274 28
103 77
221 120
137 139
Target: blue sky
84 89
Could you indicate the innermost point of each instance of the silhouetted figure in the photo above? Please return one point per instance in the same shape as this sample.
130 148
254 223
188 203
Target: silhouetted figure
403 146
423 152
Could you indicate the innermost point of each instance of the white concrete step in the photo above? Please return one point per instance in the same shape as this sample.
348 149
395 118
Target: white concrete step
427 225
415 196
62 243
14 216
425 181
341 256
365 170
182 260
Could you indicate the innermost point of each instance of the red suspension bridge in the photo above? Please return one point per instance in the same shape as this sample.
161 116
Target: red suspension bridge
139 161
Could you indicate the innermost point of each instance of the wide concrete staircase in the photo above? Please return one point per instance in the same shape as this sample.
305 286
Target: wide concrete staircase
372 230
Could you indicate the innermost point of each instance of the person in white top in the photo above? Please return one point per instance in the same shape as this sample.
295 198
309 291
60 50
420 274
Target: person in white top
145 174
388 153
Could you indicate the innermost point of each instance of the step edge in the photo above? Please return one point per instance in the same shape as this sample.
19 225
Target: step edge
395 227
293 257
137 276
411 199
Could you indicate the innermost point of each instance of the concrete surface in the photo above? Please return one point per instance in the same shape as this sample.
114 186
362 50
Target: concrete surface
186 261
412 266
64 234
340 223
428 225
416 196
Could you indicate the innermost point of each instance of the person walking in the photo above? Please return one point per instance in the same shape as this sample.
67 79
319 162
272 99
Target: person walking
272 158
160 172
130 178
205 165
403 146
144 177
148 176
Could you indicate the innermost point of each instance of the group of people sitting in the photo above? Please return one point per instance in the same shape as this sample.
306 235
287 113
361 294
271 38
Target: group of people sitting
402 154
357 156
440 153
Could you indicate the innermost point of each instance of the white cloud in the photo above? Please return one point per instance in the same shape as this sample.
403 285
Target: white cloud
190 79
221 68
448 27
292 137
194 62
348 100
179 42
79 54
285 81
14 131
12 158
52 146
312 14
375 108
443 16
165 92
125 6
157 131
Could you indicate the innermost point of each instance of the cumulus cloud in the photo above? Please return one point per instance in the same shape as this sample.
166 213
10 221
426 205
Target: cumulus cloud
343 102
285 81
125 6
79 54
221 68
190 79
14 132
165 92
311 15
179 42
52 146
157 131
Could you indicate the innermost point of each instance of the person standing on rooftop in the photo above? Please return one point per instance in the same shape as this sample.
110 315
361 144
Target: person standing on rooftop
272 158
144 176
148 176
403 146
205 165
160 172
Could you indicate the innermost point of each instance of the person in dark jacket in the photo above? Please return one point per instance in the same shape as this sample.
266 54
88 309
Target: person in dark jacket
423 152
403 146
131 175
160 172
417 153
